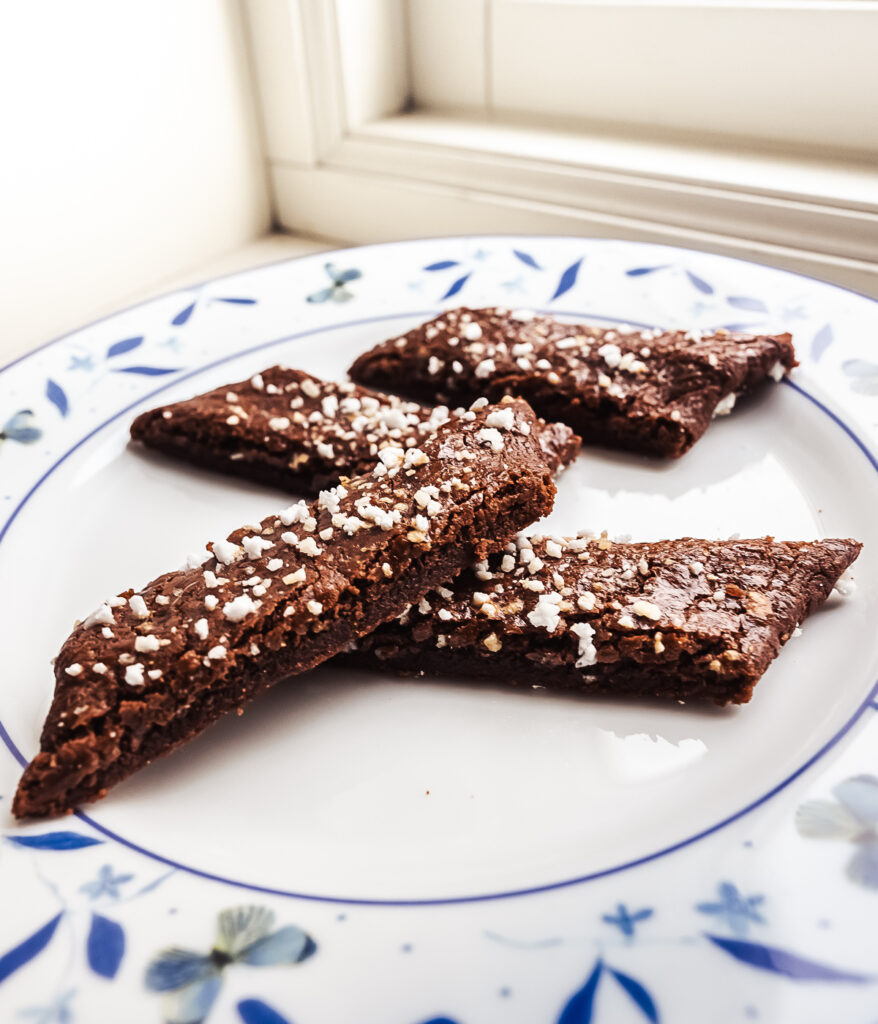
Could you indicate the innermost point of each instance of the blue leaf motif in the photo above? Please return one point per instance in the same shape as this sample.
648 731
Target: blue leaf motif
288 945
106 946
149 371
177 968
239 302
18 428
55 394
780 961
439 1020
343 276
580 1006
745 302
527 259
455 288
25 951
442 265
822 340
192 1004
183 315
55 841
640 271
863 866
568 279
120 347
254 1011
699 283
323 295
639 994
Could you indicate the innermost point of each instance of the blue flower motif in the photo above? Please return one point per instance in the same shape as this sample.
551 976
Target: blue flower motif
56 1012
738 911
863 375
336 292
81 363
192 981
625 921
20 428
106 884
853 819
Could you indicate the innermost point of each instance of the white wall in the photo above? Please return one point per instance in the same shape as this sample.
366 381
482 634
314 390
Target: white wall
129 152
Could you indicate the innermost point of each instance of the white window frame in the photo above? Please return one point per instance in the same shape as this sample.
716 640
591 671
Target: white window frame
357 153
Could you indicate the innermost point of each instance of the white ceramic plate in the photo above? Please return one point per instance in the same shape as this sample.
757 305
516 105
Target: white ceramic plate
440 850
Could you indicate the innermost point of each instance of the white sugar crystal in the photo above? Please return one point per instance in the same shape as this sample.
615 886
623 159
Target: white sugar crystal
611 354
535 585
257 382
777 372
315 607
154 673
308 546
310 387
503 418
329 405
201 628
193 561
471 331
295 577
134 675
392 457
522 314
696 568
240 608
725 406
138 606
586 601
434 365
210 602
554 549
535 564
289 537
210 580
274 564
107 633
278 423
485 368
546 614
415 457
226 552
646 609
103 614
217 653
324 450
254 546
74 670
508 563
445 614
326 534
297 513
492 437
588 654
146 644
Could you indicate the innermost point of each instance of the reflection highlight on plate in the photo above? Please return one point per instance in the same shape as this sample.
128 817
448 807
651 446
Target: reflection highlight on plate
639 757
